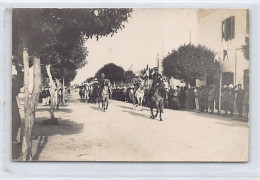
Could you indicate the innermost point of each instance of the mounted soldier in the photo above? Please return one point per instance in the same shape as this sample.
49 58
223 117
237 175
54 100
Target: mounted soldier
156 79
101 83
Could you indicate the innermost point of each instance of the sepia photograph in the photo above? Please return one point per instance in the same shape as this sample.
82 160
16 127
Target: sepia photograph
130 84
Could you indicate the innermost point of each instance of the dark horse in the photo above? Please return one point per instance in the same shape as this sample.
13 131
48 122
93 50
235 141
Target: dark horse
157 99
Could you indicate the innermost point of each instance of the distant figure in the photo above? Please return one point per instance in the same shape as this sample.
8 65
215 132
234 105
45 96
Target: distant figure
246 101
224 100
211 98
239 99
196 96
231 99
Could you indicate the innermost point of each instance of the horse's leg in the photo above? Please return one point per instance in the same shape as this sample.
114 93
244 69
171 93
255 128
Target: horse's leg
141 104
103 104
157 109
134 103
98 105
161 109
152 116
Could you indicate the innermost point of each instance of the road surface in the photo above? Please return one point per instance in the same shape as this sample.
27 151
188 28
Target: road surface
123 134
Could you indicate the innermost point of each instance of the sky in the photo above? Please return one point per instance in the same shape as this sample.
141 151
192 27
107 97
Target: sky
148 34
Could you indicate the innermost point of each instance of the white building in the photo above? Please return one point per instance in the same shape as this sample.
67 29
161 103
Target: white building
233 25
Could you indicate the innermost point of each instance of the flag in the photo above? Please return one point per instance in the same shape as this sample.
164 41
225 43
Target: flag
224 38
225 54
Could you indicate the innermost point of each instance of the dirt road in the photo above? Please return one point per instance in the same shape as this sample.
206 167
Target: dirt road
123 134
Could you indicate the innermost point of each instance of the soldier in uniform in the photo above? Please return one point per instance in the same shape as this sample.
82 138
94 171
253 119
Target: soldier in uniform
211 98
224 100
239 99
101 83
231 98
216 99
201 98
156 79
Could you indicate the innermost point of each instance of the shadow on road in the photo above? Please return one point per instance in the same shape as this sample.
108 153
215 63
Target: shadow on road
136 114
43 132
126 107
220 117
94 107
47 109
41 144
64 127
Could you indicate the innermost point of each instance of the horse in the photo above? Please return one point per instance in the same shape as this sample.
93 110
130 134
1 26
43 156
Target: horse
132 97
139 95
103 97
86 93
157 100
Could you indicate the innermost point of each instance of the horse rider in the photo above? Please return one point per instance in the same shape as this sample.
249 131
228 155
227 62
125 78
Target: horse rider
156 80
101 83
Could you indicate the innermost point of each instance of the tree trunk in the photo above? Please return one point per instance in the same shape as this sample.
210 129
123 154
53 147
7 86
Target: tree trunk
63 91
36 87
52 92
26 127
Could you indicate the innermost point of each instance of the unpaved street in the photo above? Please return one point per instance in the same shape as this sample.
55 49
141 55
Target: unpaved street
123 134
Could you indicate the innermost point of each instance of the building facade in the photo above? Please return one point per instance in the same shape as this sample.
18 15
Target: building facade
226 29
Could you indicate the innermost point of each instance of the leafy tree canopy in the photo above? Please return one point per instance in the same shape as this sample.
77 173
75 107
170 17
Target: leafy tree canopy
129 75
189 62
57 36
112 72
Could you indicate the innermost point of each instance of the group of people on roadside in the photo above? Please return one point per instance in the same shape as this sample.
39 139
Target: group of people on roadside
206 99
45 96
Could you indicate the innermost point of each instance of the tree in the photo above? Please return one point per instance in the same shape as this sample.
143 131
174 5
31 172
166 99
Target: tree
245 48
189 63
129 75
112 72
54 37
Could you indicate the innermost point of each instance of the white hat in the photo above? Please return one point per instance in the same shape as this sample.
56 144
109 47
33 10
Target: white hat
230 86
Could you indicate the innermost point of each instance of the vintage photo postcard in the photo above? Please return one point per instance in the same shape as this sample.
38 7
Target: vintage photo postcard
138 85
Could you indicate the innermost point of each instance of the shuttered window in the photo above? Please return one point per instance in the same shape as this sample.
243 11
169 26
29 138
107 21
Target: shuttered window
228 28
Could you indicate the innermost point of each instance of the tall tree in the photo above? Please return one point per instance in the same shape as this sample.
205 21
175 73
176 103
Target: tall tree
189 63
112 72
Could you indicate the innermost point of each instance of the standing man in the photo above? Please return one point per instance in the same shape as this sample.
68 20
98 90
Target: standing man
206 96
239 99
211 98
231 98
216 99
246 100
196 95
224 100
201 98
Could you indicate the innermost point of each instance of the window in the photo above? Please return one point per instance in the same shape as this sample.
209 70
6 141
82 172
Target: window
227 78
228 28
